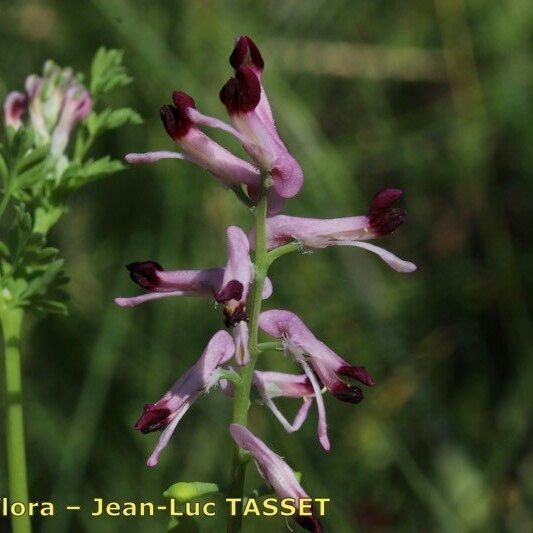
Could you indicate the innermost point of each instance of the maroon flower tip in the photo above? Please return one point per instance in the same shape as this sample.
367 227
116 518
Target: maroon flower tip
175 119
182 100
357 372
152 419
309 523
232 291
145 274
246 53
15 105
384 199
384 219
241 94
347 393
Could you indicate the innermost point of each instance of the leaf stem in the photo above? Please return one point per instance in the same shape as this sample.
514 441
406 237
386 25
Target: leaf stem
276 253
16 450
242 389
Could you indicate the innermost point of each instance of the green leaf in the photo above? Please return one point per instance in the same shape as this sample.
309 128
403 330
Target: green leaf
107 71
108 119
4 250
52 307
4 171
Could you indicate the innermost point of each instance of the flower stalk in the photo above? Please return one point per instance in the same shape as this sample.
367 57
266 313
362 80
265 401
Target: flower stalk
16 448
242 389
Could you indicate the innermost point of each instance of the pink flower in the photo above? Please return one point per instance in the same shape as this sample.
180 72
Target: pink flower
248 107
272 385
310 352
276 472
164 283
382 219
15 106
55 102
181 123
228 285
77 106
166 413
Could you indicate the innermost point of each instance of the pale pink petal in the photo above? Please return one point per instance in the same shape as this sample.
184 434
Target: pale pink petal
212 122
152 157
166 434
392 260
267 289
241 337
137 300
322 424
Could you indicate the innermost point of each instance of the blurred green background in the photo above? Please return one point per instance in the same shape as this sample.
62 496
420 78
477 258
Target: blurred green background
431 97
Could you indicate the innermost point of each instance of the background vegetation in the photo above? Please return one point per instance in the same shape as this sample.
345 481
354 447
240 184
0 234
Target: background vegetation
432 97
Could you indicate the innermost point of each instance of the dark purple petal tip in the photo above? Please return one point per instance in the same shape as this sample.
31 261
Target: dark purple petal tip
384 199
152 419
310 523
145 274
246 53
359 373
175 118
347 393
182 101
232 291
384 219
241 94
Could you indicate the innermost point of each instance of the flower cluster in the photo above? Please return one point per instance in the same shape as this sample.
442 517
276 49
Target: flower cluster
52 103
271 173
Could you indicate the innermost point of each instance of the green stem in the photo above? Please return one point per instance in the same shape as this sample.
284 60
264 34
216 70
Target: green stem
274 254
16 449
242 389
270 346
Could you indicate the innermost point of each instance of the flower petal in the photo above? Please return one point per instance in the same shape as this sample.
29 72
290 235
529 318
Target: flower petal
153 157
392 260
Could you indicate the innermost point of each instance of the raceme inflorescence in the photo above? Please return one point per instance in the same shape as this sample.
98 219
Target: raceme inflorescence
264 181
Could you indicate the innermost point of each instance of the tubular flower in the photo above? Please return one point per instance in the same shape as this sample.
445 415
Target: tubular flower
382 219
270 385
317 360
181 122
15 106
162 283
248 107
238 276
166 413
276 472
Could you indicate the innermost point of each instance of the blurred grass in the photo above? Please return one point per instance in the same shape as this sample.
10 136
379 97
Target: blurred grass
443 441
